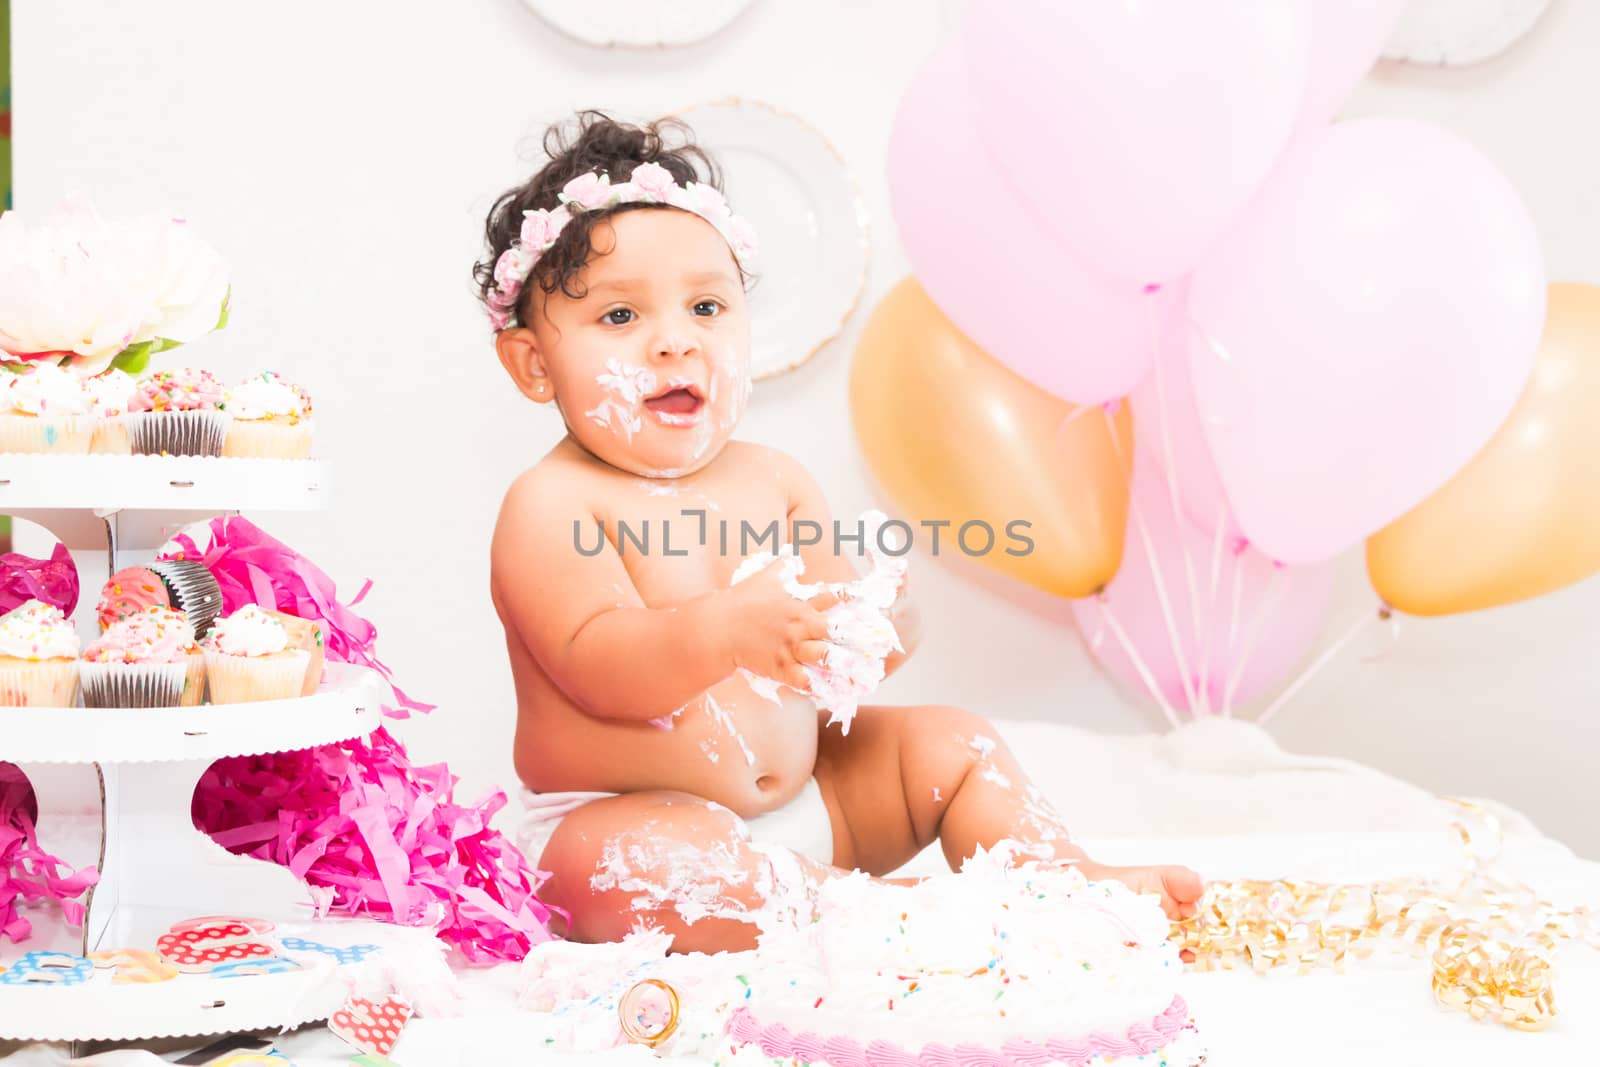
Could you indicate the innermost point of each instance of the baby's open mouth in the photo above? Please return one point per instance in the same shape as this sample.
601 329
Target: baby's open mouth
681 400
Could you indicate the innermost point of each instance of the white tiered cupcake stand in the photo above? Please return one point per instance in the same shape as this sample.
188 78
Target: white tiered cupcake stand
155 867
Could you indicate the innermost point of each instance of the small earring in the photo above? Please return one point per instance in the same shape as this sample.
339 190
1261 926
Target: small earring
539 388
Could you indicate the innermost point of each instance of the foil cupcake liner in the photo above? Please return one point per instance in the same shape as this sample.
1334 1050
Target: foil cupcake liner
132 685
192 589
177 433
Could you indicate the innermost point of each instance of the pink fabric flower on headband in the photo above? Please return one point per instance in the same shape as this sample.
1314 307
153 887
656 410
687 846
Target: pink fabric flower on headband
650 183
653 182
589 191
541 228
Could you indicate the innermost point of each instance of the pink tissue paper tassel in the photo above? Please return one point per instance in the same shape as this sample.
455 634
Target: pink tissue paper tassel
28 874
358 819
53 580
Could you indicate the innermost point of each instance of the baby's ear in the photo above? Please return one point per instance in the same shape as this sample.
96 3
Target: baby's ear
518 349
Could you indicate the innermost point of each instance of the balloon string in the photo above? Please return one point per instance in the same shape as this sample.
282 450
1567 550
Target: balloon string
1262 613
1209 636
1072 416
1110 622
1161 586
1233 632
1200 699
1366 619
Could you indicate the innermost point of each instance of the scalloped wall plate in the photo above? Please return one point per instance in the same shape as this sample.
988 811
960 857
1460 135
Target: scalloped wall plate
810 221
638 23
1458 33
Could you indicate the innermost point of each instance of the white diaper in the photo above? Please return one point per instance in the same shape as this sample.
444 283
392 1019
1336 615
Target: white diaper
802 825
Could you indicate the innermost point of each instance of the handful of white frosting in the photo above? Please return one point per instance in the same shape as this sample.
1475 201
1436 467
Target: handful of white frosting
860 633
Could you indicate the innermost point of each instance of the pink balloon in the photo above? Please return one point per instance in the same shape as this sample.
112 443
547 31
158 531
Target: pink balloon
1363 332
988 264
1169 433
1137 129
1256 619
1347 36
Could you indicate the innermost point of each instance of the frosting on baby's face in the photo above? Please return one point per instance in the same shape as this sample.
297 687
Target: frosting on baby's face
651 364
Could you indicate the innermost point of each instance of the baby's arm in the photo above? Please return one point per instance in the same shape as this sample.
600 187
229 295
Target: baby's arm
807 504
582 619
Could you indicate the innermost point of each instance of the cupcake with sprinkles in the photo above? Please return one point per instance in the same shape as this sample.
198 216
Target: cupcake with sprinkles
38 657
249 657
178 413
44 409
271 419
184 585
145 660
110 393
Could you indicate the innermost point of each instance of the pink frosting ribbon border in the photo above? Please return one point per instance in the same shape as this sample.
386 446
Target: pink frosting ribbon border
777 1041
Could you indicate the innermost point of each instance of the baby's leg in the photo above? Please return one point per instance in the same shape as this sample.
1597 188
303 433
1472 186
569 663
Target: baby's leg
673 861
907 776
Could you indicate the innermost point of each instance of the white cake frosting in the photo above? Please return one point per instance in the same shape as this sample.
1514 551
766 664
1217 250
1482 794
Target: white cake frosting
997 954
1000 952
861 633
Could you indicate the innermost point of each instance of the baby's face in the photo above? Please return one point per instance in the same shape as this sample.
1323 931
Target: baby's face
652 365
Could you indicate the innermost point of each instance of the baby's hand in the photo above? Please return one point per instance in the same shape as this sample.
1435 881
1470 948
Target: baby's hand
772 633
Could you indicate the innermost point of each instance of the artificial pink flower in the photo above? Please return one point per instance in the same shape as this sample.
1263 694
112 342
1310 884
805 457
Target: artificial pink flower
703 200
653 180
511 269
540 228
742 236
588 191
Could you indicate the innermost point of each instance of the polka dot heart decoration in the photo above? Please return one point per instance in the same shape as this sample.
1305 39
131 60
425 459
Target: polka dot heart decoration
371 1026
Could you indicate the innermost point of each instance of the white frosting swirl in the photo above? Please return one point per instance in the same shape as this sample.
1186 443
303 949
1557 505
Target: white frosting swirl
247 632
37 631
46 389
998 951
109 393
265 396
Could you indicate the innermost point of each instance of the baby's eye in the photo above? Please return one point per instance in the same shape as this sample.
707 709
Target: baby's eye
618 316
708 308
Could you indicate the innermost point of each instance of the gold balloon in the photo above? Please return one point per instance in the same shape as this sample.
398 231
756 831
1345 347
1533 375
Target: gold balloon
953 435
1523 518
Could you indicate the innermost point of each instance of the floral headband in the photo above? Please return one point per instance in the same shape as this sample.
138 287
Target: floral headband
650 183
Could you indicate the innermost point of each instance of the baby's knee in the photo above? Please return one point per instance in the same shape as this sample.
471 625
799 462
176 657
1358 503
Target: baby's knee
676 862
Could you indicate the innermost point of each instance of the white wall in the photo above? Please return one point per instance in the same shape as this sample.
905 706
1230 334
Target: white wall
342 156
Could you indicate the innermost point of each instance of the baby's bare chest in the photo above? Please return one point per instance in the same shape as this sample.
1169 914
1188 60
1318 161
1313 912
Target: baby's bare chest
680 541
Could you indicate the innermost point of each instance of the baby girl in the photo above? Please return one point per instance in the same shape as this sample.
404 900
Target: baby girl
669 785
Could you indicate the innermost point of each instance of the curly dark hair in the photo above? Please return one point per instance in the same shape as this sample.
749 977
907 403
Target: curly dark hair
591 141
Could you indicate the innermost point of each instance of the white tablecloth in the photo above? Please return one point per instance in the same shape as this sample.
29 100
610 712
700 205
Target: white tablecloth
1378 1012
1199 789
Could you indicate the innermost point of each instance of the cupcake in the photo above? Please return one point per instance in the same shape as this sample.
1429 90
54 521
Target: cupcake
177 413
145 660
306 635
38 657
109 395
44 409
271 419
249 657
185 585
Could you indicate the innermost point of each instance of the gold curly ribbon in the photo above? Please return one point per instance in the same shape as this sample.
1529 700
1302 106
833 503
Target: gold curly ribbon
1491 943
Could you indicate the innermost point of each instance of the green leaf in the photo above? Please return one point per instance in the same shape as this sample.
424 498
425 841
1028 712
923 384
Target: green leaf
227 301
135 358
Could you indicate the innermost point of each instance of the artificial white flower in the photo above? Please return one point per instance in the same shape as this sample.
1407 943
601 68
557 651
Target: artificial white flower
86 290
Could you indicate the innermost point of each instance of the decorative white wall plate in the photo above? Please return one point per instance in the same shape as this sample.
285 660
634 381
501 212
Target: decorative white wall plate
1458 33
789 181
638 23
